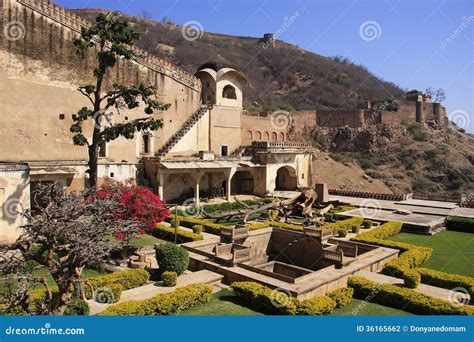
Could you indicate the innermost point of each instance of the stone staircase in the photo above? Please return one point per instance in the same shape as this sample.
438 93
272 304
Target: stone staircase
190 122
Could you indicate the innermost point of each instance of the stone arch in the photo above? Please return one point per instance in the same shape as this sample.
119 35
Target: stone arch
282 136
274 136
229 92
286 179
242 183
266 136
258 135
250 135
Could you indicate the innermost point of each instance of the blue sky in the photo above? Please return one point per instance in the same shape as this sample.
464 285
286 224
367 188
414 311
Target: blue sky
416 44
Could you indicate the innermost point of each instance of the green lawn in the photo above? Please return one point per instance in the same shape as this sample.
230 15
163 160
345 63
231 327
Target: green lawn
453 252
362 308
145 240
224 303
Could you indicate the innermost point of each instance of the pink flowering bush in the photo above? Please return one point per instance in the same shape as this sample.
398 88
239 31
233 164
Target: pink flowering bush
139 203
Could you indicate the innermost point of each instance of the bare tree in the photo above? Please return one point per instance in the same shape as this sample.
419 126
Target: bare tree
70 231
438 95
145 15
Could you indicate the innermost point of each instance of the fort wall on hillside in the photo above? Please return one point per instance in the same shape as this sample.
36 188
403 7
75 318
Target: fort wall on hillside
406 112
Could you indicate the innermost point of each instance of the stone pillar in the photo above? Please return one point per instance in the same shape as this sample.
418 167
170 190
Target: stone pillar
419 111
161 185
228 182
197 179
196 193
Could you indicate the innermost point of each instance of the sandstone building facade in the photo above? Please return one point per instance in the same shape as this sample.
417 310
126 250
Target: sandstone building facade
209 146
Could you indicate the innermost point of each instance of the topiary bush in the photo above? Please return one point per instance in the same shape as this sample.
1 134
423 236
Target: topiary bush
342 233
197 229
169 279
367 224
411 278
355 229
171 258
77 307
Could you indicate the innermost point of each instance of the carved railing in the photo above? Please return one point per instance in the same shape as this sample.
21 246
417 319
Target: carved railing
364 194
336 256
279 145
320 234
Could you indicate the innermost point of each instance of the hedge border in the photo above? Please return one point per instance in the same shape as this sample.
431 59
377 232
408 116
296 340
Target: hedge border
264 299
404 298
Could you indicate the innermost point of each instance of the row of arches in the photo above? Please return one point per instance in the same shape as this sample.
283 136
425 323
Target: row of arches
266 136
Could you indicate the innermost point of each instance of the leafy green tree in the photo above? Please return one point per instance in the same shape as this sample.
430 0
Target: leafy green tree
114 40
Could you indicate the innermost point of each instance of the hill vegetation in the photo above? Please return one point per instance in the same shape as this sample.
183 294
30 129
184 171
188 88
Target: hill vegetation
282 77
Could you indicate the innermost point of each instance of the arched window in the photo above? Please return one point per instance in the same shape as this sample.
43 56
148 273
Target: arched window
145 144
250 135
258 135
266 136
274 136
282 136
229 92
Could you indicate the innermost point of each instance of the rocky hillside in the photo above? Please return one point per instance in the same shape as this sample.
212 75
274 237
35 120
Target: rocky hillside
283 77
414 158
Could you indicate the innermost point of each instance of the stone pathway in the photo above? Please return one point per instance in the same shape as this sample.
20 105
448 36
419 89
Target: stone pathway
152 289
429 290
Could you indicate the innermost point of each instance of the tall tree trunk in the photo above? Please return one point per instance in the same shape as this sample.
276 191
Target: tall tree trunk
93 165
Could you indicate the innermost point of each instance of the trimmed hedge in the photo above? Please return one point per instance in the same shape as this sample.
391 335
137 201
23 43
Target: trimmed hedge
342 296
286 226
411 278
266 300
169 279
77 307
404 299
190 222
411 256
167 233
383 232
446 280
344 224
460 223
126 280
171 258
366 224
163 304
257 226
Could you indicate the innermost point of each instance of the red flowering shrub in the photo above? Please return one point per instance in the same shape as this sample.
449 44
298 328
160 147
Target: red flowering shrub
140 204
